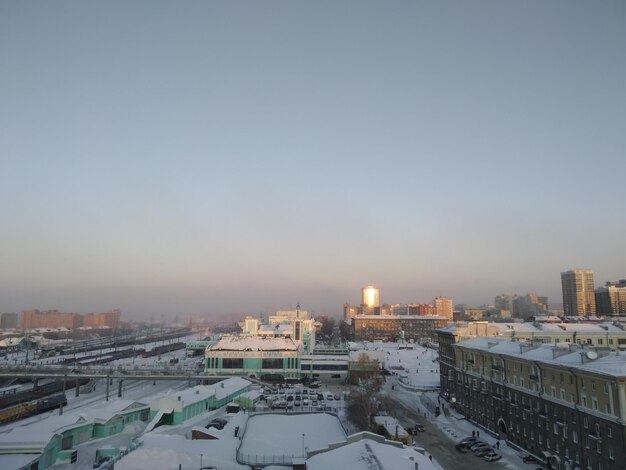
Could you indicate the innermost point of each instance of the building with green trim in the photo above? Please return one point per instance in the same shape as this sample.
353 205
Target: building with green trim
179 407
263 357
53 440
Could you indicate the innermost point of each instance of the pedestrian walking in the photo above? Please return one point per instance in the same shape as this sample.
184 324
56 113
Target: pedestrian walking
473 433
477 433
430 457
498 445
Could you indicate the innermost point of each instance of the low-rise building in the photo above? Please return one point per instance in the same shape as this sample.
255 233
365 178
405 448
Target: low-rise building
396 328
177 408
54 439
255 356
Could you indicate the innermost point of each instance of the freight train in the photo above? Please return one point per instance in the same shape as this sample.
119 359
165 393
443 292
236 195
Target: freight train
40 391
157 351
33 407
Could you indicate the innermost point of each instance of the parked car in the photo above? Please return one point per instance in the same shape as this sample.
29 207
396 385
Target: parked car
478 445
104 463
491 456
419 427
330 396
217 423
483 451
320 396
529 459
461 448
305 402
468 442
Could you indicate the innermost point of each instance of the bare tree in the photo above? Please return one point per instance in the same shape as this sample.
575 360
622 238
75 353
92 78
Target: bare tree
363 402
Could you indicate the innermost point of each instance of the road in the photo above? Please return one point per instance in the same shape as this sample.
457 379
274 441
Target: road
437 443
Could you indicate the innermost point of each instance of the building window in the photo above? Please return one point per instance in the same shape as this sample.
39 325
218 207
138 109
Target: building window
593 385
611 453
575 437
583 400
232 363
609 431
563 394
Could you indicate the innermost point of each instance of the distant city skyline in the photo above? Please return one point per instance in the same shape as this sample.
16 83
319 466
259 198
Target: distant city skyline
169 159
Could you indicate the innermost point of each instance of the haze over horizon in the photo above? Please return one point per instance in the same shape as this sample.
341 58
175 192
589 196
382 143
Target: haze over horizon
174 159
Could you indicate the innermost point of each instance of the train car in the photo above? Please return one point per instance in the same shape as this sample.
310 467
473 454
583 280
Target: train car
18 411
51 402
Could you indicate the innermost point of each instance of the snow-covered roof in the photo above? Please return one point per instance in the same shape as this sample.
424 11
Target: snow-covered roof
230 386
391 424
38 434
255 343
607 362
366 454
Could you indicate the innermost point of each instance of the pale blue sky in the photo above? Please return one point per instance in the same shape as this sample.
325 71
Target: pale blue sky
190 157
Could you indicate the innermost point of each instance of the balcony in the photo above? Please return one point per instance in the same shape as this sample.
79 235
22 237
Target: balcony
534 377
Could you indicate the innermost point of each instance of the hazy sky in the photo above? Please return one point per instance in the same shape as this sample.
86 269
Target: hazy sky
191 157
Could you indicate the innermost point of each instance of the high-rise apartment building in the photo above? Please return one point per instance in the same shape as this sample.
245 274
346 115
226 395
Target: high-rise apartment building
443 307
8 321
370 297
578 293
349 311
611 299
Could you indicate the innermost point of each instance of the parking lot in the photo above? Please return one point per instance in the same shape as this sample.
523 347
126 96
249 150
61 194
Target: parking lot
303 399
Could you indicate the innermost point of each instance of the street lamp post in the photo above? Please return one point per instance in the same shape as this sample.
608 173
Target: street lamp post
303 446
200 461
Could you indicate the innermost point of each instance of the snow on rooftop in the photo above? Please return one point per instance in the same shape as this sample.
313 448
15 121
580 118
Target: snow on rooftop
610 363
230 386
391 425
163 449
39 433
367 454
283 435
255 343
16 460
